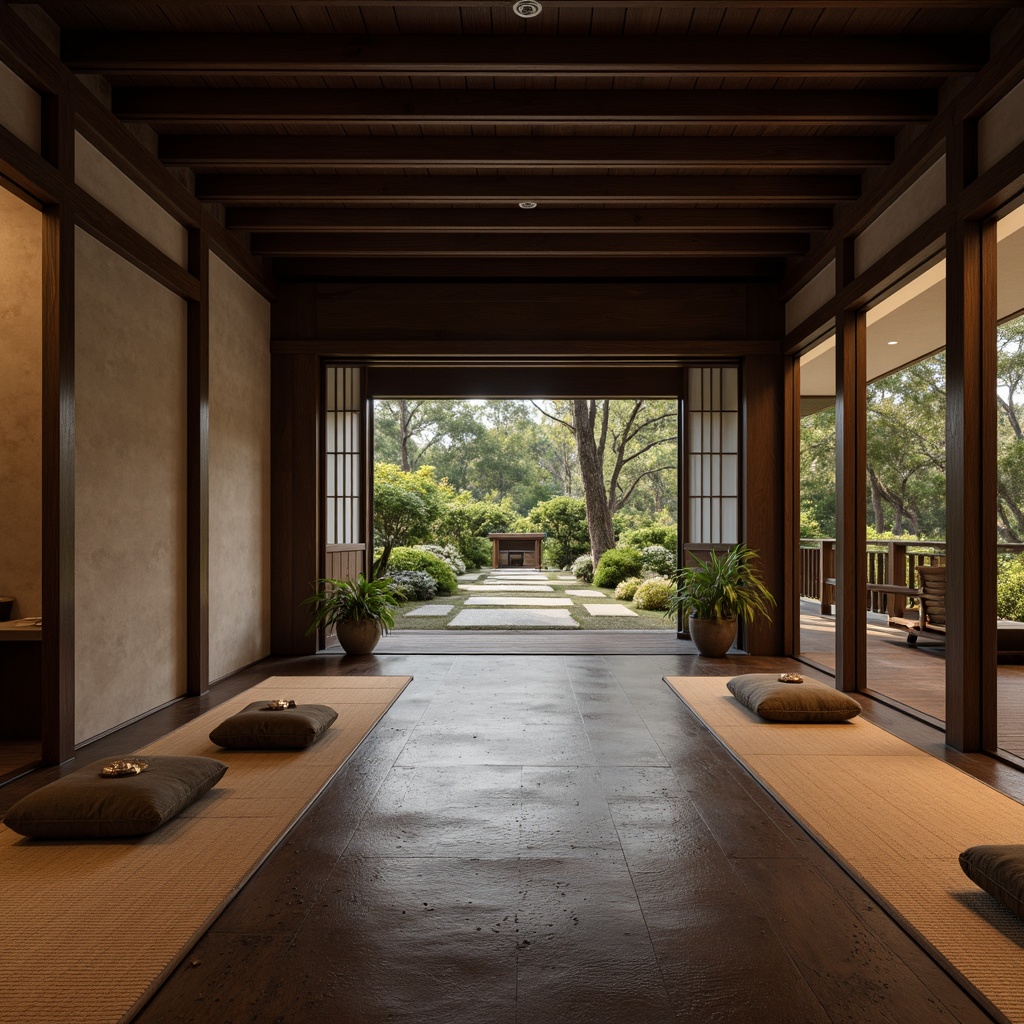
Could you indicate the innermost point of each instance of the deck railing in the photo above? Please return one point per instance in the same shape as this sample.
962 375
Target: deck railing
889 563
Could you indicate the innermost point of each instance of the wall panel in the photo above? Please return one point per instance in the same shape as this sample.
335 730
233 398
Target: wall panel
20 109
130 490
21 396
239 472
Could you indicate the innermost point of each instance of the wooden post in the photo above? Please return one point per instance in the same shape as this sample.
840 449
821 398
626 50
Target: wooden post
851 525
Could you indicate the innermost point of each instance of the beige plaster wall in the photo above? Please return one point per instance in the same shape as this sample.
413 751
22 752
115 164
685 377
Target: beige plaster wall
908 211
20 109
812 296
119 194
130 491
21 367
239 472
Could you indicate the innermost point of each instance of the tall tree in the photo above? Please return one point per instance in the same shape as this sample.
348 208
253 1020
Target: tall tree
612 439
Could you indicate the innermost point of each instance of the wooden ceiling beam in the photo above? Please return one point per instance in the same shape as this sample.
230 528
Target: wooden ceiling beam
869 5
482 189
283 152
525 106
733 268
542 246
520 56
550 219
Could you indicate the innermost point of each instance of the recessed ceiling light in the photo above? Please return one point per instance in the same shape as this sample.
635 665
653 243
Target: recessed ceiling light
892 343
527 8
527 205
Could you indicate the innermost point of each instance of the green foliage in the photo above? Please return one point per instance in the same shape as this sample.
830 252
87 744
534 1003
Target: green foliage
627 589
616 565
583 569
412 584
448 553
463 520
657 560
1010 590
809 526
723 587
437 568
564 520
654 595
352 601
645 536
477 552
405 506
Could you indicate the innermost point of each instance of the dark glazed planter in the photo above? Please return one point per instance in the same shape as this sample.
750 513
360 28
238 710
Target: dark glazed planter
358 637
713 637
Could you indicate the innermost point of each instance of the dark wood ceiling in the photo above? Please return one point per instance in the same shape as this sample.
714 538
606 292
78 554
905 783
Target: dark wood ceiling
698 139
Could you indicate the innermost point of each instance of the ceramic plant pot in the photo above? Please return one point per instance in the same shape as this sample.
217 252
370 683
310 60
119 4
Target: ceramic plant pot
358 637
713 637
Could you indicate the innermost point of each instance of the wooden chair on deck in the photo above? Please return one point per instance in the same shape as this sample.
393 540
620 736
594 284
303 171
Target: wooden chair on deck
931 597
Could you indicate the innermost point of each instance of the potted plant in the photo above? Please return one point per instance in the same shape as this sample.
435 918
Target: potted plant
716 594
359 609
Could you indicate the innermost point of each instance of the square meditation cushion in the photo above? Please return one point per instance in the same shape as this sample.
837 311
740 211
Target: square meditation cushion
87 805
809 701
257 728
999 870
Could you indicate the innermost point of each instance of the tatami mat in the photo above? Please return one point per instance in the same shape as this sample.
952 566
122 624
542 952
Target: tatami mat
896 818
89 929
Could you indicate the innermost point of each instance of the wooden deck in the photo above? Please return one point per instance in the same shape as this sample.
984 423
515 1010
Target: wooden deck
915 676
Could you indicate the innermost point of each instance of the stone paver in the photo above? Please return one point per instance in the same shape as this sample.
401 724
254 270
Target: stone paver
430 611
586 593
505 618
609 611
492 588
530 602
469 577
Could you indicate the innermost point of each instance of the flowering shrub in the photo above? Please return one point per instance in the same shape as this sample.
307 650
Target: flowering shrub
450 553
583 569
626 590
653 594
658 560
412 584
437 568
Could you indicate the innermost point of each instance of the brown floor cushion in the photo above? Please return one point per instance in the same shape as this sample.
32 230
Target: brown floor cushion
86 805
999 870
807 701
257 728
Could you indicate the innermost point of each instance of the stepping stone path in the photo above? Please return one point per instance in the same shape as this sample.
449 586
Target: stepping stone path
586 593
492 588
531 602
503 618
610 611
468 577
430 611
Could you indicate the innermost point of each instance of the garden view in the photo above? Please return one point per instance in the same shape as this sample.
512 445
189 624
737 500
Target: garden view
597 477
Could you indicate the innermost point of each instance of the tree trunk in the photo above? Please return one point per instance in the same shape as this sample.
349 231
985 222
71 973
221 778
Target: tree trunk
876 501
403 432
599 518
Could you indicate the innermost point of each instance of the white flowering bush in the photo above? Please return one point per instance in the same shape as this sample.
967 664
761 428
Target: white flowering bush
657 560
450 553
583 569
626 590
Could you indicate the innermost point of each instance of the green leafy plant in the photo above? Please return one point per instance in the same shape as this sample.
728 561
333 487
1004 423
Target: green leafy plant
617 565
583 569
406 559
352 601
627 589
724 587
653 595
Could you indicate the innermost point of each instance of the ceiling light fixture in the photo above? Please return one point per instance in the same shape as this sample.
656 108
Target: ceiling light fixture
527 8
527 205
892 343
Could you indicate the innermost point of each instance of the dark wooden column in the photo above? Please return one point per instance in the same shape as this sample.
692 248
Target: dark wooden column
766 471
851 526
198 500
58 654
294 498
970 486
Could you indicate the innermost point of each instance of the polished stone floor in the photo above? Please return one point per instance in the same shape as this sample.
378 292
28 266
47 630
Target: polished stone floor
546 840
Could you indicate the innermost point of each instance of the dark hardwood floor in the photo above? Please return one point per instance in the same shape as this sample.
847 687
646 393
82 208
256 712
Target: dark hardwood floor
545 839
